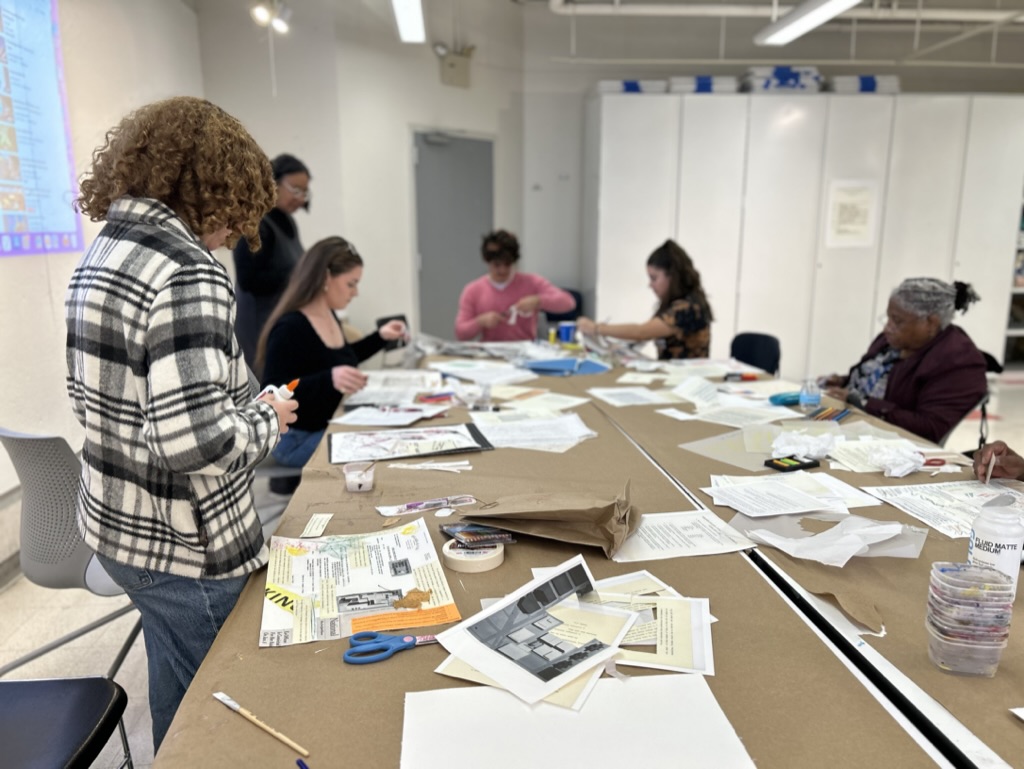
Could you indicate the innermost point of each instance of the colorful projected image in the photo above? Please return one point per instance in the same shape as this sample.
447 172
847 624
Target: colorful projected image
37 180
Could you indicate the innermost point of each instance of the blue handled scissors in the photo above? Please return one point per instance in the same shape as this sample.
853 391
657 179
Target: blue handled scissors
370 646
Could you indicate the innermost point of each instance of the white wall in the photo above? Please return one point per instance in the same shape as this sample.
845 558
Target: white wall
156 55
349 95
386 91
555 89
302 119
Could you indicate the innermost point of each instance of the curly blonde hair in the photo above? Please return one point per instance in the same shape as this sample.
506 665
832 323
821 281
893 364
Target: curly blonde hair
190 155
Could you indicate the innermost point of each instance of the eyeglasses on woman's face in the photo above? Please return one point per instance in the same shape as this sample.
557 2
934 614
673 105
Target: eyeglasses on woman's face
302 192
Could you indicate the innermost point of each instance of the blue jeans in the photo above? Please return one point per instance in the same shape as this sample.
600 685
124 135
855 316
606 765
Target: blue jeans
297 446
180 618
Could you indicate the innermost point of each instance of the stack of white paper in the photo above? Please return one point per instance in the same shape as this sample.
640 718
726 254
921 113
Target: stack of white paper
765 496
556 435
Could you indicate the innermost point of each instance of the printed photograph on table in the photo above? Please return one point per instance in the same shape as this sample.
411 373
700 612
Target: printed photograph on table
524 631
393 444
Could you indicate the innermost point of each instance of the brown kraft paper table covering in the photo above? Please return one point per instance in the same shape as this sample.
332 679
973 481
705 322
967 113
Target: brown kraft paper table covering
877 591
792 702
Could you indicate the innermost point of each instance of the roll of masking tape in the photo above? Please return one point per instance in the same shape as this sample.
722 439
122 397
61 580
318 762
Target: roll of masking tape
472 560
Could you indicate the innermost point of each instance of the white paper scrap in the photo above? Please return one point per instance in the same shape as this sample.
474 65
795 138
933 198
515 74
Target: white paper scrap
676 414
865 456
852 536
699 392
317 524
631 396
388 416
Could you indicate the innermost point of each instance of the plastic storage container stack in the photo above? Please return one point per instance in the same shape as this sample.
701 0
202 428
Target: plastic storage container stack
782 79
968 617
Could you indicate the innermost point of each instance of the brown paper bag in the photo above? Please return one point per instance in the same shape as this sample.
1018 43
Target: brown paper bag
566 517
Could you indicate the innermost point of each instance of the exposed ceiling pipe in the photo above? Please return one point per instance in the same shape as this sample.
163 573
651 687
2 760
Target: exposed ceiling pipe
735 10
790 62
965 35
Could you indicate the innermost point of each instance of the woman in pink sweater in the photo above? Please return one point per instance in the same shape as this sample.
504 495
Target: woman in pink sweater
502 306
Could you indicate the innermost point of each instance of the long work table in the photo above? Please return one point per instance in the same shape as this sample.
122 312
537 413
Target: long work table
792 699
880 593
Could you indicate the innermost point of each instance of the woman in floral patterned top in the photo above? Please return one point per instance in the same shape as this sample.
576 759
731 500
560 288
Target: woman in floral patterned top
681 326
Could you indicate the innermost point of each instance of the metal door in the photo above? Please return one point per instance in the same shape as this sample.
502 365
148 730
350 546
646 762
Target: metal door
454 210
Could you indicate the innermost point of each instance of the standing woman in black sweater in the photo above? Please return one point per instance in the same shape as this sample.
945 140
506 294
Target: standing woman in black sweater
261 276
303 340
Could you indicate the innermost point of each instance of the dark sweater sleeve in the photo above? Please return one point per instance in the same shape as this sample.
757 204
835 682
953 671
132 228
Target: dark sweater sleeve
294 351
368 346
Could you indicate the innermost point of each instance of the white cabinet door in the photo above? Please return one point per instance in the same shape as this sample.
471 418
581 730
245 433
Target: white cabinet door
780 225
637 200
923 199
710 218
846 270
990 204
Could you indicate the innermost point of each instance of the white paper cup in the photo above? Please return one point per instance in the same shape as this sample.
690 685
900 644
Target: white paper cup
358 476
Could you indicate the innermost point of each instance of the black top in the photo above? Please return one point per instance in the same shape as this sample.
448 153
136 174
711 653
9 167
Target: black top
266 272
296 351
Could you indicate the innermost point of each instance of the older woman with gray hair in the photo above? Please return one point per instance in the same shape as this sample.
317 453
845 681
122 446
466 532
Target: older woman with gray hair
921 373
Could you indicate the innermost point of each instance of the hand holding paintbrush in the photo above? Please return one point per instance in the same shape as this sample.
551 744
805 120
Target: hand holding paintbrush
997 460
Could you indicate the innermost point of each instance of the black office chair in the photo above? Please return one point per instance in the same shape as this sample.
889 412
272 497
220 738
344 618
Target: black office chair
573 314
992 366
761 350
60 722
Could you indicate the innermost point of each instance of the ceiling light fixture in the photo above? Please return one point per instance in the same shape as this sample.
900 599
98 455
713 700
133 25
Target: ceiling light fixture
261 14
280 21
409 18
801 20
273 13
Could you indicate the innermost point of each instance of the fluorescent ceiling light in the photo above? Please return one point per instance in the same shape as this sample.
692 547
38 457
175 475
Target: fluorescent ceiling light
801 20
409 17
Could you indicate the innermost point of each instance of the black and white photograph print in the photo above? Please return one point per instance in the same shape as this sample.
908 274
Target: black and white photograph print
370 599
400 568
521 631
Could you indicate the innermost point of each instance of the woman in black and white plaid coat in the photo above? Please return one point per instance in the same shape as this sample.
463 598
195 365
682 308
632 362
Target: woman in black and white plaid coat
157 379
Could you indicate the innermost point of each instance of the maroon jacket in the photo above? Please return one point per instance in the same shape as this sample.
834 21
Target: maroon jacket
933 389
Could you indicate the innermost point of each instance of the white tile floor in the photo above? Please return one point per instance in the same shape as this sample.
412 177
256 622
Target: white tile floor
33 616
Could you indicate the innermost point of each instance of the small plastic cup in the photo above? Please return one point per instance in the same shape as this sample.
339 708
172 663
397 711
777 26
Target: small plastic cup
358 476
964 658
